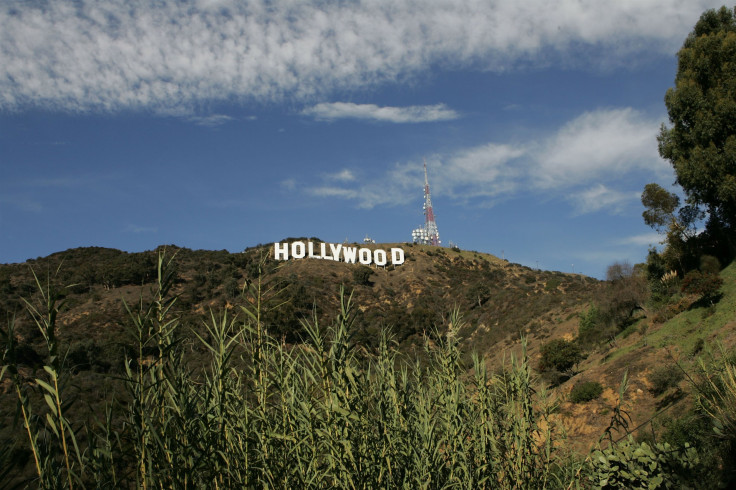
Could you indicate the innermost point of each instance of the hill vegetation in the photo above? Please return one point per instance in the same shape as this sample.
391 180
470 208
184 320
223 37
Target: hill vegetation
85 364
500 301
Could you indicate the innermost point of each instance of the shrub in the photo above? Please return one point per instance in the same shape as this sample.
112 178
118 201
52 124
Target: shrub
560 354
638 465
697 348
627 292
663 378
705 285
589 327
709 264
629 330
585 392
231 288
362 275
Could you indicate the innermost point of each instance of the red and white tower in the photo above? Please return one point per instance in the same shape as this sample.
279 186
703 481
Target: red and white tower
427 234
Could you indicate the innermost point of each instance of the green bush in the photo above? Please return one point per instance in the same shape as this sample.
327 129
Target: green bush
362 275
630 329
560 354
585 392
231 288
638 465
705 285
709 264
663 378
589 327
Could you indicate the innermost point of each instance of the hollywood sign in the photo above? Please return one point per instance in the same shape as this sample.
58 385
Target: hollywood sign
337 252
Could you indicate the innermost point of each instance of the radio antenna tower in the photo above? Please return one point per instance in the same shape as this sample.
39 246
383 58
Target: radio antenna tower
427 234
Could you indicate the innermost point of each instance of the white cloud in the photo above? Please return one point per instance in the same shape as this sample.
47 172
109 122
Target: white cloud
344 175
487 170
333 192
643 239
588 162
601 197
411 114
211 121
603 142
82 55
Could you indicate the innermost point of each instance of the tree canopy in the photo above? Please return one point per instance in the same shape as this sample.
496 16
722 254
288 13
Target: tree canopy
660 206
701 142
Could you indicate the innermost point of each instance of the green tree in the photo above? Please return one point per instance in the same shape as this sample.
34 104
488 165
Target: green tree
561 355
660 207
701 142
626 293
362 275
678 225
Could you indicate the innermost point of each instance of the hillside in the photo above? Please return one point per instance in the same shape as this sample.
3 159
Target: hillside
661 359
498 300
499 304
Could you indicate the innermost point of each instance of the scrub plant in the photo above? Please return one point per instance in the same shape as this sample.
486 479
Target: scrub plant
58 461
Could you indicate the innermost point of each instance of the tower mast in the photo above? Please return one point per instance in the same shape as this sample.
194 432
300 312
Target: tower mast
431 225
427 234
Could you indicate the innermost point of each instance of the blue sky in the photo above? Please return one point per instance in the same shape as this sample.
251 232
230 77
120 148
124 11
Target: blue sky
224 124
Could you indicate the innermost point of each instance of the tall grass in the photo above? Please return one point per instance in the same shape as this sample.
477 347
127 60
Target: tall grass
321 414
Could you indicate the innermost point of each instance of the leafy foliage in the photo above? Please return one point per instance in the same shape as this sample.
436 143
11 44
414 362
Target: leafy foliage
561 355
663 378
705 285
261 414
585 392
362 275
639 465
595 327
701 143
626 293
660 206
589 324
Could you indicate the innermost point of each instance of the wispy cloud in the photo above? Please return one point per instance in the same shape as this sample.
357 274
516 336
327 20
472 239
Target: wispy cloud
21 202
344 175
288 184
586 161
606 141
600 197
210 121
140 229
643 239
81 55
410 114
327 191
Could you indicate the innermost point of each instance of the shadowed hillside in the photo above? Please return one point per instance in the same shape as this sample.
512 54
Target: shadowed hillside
498 300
